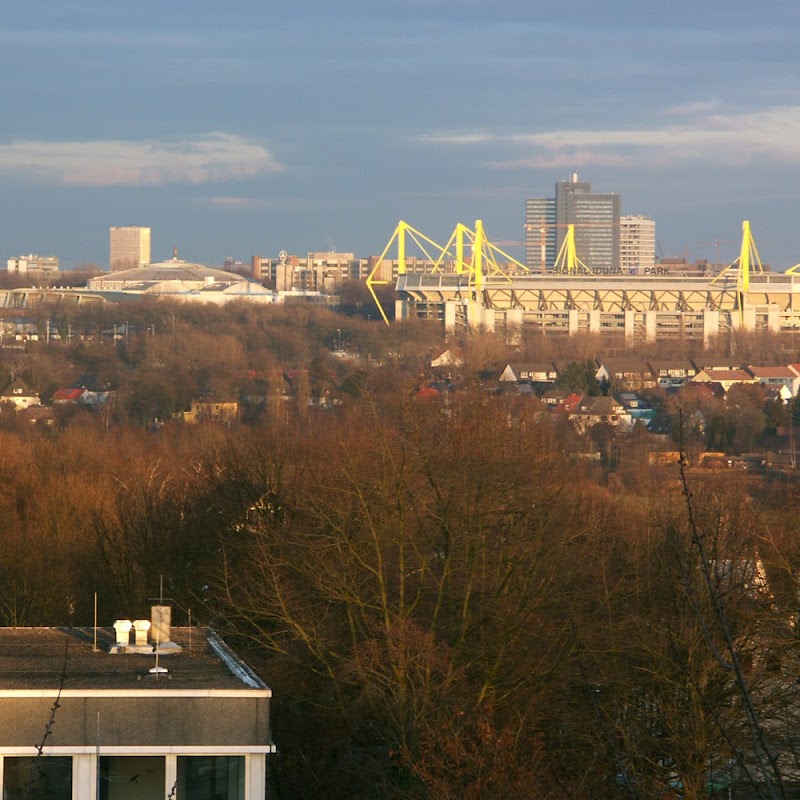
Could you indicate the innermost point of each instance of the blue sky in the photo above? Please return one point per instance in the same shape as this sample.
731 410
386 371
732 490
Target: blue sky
250 127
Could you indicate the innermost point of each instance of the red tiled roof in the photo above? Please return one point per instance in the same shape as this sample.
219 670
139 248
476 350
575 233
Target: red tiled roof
771 372
67 395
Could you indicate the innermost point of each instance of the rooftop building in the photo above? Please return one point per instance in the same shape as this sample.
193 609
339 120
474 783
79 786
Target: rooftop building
141 710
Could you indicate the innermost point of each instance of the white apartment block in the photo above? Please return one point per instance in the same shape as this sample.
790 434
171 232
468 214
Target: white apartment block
637 244
32 263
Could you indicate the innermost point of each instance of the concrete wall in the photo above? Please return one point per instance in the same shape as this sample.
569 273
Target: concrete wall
147 721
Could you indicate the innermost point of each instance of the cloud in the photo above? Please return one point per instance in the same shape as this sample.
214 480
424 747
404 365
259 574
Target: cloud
210 158
771 134
237 203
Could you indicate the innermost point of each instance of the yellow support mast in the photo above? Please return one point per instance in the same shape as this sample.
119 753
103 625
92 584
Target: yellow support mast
402 230
567 260
748 262
483 259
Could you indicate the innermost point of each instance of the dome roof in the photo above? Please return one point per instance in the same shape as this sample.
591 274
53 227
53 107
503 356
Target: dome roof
173 270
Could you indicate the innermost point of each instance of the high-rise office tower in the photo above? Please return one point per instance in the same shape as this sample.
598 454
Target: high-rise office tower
129 247
596 221
637 244
540 233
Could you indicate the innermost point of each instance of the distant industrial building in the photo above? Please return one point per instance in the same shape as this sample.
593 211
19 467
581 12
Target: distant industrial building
33 263
316 272
129 247
637 244
596 219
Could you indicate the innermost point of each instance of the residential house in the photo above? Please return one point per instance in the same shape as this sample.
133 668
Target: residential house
593 411
210 411
715 362
538 372
38 415
142 710
569 403
777 394
96 392
66 396
449 357
626 373
776 376
552 397
20 395
635 406
672 374
724 377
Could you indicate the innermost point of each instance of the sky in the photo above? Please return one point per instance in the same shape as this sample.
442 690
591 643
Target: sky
250 127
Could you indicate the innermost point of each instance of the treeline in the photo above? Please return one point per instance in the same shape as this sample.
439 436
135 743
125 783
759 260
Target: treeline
157 355
444 604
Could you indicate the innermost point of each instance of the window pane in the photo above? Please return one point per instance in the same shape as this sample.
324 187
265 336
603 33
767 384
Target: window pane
132 778
45 778
210 778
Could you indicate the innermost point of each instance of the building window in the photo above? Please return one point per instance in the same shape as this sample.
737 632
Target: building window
210 778
129 777
45 778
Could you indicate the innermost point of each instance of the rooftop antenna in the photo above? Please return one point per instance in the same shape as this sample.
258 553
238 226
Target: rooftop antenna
94 646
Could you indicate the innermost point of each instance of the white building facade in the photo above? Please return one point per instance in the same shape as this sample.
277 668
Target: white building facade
32 263
637 244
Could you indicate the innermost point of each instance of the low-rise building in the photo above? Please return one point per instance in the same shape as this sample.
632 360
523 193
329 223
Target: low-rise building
211 411
776 376
32 263
672 374
20 395
90 713
725 378
538 372
626 373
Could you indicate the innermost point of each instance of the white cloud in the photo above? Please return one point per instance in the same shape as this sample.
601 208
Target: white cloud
113 162
771 134
281 202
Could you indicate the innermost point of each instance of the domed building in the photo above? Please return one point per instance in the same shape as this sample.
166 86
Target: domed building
181 280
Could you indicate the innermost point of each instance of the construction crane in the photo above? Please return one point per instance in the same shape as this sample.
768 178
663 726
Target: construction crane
716 241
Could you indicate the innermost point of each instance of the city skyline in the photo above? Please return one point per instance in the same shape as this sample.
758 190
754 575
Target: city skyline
238 131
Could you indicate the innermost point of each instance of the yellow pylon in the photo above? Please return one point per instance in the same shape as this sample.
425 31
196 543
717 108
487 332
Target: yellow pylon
567 260
747 262
482 261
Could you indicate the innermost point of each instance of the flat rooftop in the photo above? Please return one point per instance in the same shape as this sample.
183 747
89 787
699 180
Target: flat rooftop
36 658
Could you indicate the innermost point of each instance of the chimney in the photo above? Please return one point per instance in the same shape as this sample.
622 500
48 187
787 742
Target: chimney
123 629
161 617
140 628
